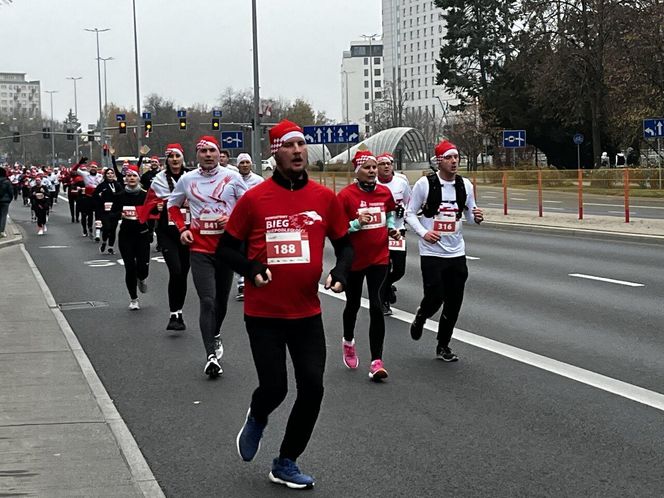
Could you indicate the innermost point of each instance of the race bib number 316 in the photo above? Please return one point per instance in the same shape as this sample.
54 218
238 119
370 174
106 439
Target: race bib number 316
287 248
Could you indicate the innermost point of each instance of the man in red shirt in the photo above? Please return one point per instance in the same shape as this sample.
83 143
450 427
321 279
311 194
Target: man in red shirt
284 222
369 209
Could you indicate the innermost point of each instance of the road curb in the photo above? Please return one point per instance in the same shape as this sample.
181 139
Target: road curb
17 234
141 473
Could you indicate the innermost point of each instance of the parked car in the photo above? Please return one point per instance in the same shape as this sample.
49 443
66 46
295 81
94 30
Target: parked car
266 165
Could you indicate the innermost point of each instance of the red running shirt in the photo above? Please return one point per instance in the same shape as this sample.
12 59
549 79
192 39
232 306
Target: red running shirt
370 243
285 230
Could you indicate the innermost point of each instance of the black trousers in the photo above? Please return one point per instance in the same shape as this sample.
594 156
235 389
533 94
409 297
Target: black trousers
396 273
376 276
73 209
109 227
176 256
41 214
86 210
135 251
305 340
213 280
444 282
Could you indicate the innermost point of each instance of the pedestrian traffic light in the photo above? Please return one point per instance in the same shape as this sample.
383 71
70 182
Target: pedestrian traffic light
70 134
122 127
46 133
215 124
17 137
91 136
148 126
183 123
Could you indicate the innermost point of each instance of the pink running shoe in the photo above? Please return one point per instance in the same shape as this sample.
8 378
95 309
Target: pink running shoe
350 356
377 371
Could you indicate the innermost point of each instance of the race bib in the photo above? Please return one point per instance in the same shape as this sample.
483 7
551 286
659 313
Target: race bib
98 224
445 224
397 245
129 212
377 217
287 248
209 224
187 217
108 206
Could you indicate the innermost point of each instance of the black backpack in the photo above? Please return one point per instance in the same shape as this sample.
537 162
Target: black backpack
432 205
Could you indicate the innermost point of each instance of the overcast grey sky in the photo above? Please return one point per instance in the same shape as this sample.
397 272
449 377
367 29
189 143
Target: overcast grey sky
189 50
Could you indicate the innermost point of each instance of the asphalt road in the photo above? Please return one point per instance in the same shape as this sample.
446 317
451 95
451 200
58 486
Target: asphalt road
487 425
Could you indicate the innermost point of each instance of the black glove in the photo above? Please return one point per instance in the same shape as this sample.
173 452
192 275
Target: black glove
257 268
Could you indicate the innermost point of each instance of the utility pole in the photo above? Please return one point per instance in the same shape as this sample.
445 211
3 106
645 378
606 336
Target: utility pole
104 59
75 79
256 134
371 38
138 90
101 113
53 162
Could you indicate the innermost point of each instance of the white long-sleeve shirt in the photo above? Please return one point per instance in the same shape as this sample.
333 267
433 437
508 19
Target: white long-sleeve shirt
451 243
400 189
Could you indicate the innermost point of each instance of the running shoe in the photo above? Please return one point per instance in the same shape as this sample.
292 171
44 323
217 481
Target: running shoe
40 232
446 354
173 322
417 326
350 355
218 347
97 235
392 294
3 234
181 322
240 293
387 310
286 472
102 247
143 285
377 371
212 367
85 234
45 228
249 438
111 250
133 305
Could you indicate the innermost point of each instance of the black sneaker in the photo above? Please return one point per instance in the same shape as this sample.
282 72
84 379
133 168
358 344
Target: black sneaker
240 293
111 250
212 367
173 322
445 354
102 247
392 294
417 326
387 311
181 322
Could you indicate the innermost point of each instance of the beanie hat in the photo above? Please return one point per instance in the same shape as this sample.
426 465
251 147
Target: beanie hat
174 149
133 168
208 141
283 131
244 157
361 157
445 149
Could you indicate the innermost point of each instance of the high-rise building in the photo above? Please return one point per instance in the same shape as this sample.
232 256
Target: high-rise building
361 82
413 32
18 96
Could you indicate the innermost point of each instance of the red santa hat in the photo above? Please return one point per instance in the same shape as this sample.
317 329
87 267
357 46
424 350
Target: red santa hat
208 141
174 149
445 149
93 165
132 168
154 158
361 157
282 132
385 155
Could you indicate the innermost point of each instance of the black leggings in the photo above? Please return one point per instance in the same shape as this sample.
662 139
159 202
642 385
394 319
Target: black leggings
444 281
305 339
41 215
86 210
376 276
397 271
73 210
109 227
213 280
135 251
176 256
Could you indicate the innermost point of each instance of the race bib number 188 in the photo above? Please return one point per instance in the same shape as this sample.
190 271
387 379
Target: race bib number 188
287 248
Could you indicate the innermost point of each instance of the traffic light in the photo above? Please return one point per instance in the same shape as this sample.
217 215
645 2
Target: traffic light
91 136
16 139
122 127
148 126
46 133
70 134
215 124
183 123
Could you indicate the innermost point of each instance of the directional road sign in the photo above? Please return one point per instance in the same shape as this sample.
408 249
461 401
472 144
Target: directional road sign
147 115
120 117
182 114
653 128
332 134
216 113
579 138
232 139
514 138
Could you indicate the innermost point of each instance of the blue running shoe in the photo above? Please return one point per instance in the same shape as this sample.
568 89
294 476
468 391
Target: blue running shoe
249 438
284 471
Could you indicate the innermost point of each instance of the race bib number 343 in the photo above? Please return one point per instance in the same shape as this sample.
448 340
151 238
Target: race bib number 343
287 248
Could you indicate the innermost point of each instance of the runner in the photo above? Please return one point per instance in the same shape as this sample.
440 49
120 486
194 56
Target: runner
245 163
91 178
175 253
212 192
435 210
401 193
105 195
224 158
40 202
6 197
133 239
369 209
284 222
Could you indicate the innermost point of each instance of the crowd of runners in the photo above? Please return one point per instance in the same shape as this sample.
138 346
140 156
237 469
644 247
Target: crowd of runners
226 224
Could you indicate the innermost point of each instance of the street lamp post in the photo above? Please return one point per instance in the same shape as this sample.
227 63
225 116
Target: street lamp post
346 73
138 91
256 134
75 79
101 114
104 59
53 163
371 38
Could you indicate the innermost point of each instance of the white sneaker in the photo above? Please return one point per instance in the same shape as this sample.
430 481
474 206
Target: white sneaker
218 347
45 228
3 235
212 367
40 232
143 286
133 305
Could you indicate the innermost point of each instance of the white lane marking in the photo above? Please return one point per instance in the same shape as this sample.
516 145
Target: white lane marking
493 204
621 205
53 247
472 257
553 202
99 263
63 198
517 199
484 196
588 377
551 208
609 280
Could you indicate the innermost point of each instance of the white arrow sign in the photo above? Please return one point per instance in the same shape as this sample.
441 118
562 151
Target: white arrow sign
329 135
319 133
352 137
309 138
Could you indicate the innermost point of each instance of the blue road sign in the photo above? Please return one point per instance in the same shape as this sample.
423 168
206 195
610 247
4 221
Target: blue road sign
120 117
182 114
578 138
514 138
147 115
232 139
216 113
653 128
332 134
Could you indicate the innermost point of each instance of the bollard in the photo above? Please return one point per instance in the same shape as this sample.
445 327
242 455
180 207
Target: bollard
505 193
626 182
580 176
539 192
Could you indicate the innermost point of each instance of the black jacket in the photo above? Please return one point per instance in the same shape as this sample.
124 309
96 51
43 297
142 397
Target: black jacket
6 191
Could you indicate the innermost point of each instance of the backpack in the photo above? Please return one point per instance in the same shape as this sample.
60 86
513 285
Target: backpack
432 205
